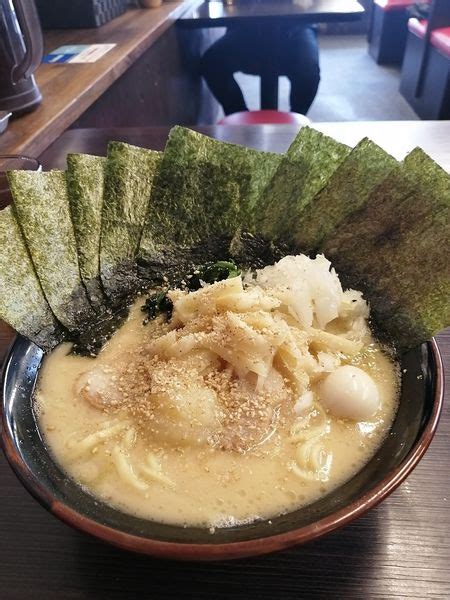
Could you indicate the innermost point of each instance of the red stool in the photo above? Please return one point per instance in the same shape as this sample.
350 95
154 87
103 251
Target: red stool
265 117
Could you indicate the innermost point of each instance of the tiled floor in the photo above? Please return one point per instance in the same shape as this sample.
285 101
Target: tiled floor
352 88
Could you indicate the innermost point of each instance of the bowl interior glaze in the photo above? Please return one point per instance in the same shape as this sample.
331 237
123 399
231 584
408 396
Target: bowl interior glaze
410 435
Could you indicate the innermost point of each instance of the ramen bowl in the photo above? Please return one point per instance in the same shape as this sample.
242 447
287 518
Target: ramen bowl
409 437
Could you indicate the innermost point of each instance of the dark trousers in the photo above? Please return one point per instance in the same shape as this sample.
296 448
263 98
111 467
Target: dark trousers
291 49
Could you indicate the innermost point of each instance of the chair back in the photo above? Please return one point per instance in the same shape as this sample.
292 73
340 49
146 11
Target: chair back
439 14
439 17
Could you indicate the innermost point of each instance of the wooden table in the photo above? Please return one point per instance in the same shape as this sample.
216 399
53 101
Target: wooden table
69 90
218 13
401 549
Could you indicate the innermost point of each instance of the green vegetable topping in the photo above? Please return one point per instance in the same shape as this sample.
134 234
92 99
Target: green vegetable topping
158 304
218 271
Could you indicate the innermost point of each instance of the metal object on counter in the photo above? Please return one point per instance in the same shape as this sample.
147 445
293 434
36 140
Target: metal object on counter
11 163
4 120
21 49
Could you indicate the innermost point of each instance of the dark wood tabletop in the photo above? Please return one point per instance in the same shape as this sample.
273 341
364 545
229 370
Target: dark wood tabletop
401 549
216 13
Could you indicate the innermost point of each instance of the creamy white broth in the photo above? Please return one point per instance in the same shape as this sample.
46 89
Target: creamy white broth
199 483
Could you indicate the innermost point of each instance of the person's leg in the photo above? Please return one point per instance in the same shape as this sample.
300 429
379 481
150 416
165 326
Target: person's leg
218 65
300 63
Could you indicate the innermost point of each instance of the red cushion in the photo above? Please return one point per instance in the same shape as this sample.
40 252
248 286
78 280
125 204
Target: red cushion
393 4
264 117
418 27
440 38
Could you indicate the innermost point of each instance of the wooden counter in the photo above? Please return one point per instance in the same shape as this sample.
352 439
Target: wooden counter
69 90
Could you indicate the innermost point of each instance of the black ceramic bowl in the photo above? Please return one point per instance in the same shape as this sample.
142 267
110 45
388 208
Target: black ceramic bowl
411 433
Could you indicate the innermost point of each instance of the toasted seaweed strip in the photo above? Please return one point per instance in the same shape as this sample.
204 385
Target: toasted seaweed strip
251 251
304 170
85 182
128 182
204 189
395 250
22 301
41 205
347 190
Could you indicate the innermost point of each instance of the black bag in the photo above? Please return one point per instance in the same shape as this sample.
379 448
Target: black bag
419 10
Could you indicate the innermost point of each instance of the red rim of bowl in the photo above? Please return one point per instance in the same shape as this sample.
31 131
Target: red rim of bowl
234 550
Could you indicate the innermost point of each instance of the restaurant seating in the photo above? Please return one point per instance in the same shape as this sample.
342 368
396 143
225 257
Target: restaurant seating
425 77
264 117
388 31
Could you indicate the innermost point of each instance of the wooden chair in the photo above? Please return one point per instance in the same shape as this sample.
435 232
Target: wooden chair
425 77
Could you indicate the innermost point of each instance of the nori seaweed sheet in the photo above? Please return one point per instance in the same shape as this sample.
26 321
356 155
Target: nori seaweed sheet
251 251
129 178
91 340
41 205
204 190
395 249
390 241
22 301
347 190
304 170
85 182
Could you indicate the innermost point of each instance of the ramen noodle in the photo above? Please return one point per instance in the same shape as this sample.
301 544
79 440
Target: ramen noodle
260 394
